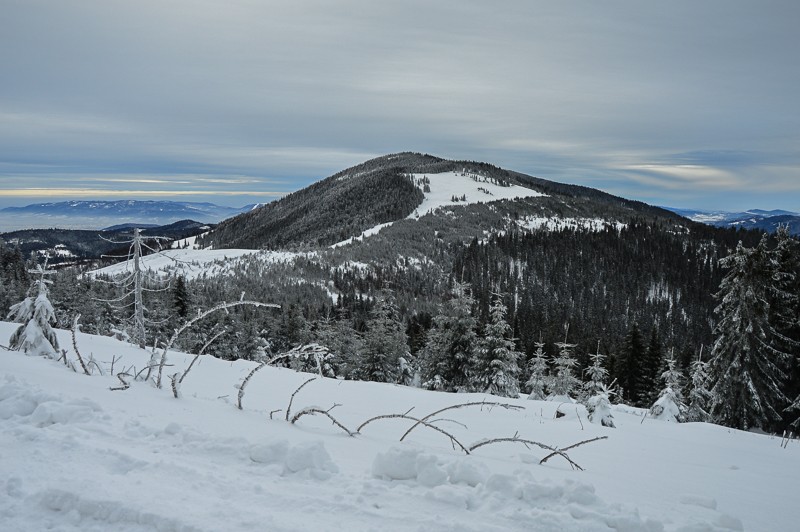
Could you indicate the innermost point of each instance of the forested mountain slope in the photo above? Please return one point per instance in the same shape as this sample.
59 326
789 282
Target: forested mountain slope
382 190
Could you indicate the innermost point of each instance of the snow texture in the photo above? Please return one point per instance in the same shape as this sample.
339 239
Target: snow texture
76 456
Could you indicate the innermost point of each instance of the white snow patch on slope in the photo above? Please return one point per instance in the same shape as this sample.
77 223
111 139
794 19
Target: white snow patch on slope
446 186
556 224
193 263
77 456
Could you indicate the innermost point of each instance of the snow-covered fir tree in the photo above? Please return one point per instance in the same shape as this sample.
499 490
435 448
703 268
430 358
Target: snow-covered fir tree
385 343
496 363
538 381
651 368
699 394
564 383
596 393
785 304
450 344
670 406
35 336
746 366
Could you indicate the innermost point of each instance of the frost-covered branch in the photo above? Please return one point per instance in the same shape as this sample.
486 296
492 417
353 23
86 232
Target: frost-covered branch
221 306
291 399
418 422
75 343
462 405
312 410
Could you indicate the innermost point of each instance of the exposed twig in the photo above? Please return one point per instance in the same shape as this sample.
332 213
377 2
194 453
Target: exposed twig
291 399
197 356
273 412
314 410
562 450
250 375
579 417
125 384
515 439
221 306
75 326
175 384
113 360
418 421
462 405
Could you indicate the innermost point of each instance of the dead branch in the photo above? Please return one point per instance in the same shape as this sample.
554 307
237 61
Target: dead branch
418 421
525 442
221 306
113 360
291 399
197 356
562 450
250 375
579 417
273 412
75 344
175 384
462 405
314 410
125 384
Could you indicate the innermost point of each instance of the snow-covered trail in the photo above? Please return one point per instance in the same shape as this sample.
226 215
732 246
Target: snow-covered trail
76 456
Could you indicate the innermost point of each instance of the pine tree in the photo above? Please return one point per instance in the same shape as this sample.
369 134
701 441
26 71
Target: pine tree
450 344
538 381
699 395
597 394
651 369
670 406
785 305
745 365
180 297
385 343
564 382
497 360
35 336
629 366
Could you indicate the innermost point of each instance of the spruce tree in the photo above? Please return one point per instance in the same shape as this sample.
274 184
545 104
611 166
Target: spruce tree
630 364
699 395
670 406
538 381
651 370
450 344
745 365
564 382
496 364
385 343
595 391
35 336
785 305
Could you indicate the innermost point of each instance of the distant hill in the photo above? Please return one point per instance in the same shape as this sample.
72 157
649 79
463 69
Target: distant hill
760 219
104 214
390 188
71 245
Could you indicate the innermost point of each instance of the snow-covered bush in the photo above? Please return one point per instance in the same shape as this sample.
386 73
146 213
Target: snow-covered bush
35 336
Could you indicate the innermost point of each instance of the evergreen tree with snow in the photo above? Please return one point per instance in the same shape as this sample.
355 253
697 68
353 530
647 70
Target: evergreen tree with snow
746 366
785 304
670 406
450 344
596 393
538 381
496 363
699 394
385 343
564 382
35 336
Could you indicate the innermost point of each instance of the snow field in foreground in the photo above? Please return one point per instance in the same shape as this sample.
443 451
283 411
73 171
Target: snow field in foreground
76 456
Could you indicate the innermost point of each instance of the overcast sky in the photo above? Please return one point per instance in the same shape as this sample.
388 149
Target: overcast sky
680 103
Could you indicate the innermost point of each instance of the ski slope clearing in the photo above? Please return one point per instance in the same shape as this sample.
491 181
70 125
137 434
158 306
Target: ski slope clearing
449 189
76 456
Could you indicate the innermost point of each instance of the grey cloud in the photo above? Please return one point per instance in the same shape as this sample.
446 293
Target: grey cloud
581 92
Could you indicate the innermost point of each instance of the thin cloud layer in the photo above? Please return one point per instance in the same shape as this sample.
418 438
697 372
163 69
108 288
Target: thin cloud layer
684 103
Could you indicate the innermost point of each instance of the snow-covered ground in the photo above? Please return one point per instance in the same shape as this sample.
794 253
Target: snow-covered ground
75 455
464 187
193 263
556 224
